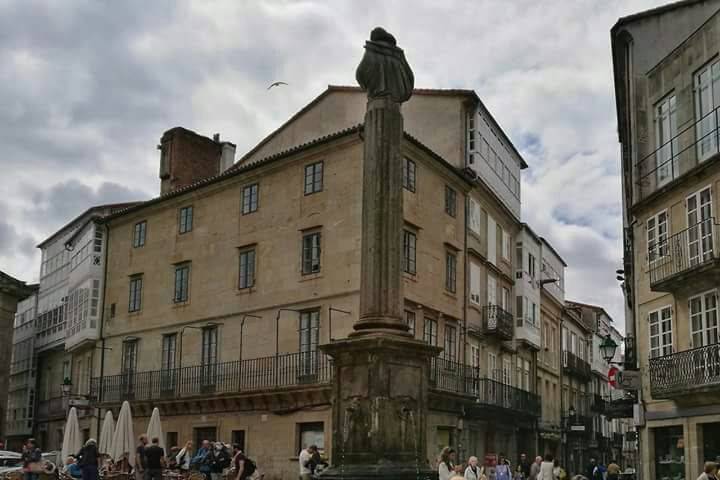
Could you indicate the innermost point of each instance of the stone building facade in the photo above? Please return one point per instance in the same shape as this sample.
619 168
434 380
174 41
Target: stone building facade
666 84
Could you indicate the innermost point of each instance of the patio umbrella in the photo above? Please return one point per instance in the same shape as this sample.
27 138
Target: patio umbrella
123 442
106 434
154 429
72 440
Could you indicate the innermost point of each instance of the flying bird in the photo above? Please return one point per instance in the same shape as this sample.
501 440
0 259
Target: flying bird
276 84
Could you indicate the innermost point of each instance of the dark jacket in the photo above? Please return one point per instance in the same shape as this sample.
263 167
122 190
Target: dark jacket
220 460
88 456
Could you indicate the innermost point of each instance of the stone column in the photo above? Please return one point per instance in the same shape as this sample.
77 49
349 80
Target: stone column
380 389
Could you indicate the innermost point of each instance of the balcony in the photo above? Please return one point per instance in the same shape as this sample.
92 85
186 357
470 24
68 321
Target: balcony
575 365
454 377
688 151
497 321
685 373
691 252
237 377
527 331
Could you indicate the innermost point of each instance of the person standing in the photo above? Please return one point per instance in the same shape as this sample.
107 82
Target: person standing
244 467
184 457
219 461
154 460
140 457
473 471
304 460
535 468
502 469
446 467
590 472
546 469
524 466
201 460
88 460
613 470
31 457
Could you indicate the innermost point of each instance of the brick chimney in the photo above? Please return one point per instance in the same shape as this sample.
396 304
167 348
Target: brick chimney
186 157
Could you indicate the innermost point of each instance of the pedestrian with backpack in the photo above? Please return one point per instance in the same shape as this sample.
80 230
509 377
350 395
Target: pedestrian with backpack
243 466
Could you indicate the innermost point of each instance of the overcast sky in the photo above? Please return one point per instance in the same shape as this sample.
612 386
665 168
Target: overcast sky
87 89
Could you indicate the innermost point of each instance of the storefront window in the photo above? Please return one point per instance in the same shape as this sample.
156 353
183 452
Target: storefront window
711 442
669 453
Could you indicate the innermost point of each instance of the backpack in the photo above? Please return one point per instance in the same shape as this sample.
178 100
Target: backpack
249 467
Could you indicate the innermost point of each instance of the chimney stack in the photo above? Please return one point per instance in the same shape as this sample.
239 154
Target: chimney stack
187 157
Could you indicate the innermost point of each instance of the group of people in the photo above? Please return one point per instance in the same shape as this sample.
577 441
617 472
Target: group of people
214 460
543 468
311 462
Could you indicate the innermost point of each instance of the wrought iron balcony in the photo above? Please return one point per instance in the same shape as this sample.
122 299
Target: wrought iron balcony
282 371
575 365
692 251
450 376
684 373
690 148
497 321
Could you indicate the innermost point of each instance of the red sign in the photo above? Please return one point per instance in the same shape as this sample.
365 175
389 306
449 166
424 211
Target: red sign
612 376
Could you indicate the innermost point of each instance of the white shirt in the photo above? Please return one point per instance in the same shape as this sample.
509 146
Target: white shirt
444 473
546 471
183 459
303 459
470 475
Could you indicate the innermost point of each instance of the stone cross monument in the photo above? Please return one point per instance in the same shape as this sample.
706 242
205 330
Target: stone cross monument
381 372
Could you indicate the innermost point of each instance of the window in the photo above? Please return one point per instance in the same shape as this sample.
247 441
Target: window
182 283
657 233
313 178
491 290
505 299
707 92
408 173
471 132
450 201
409 252
135 300
475 274
250 198
410 321
533 313
430 333
129 356
247 269
661 332
450 351
450 272
704 319
139 234
506 247
700 227
665 142
186 220
531 265
311 253
171 439
492 236
169 343
209 345
475 217
311 434
309 338
492 366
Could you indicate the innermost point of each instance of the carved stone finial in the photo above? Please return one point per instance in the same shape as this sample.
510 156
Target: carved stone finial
383 71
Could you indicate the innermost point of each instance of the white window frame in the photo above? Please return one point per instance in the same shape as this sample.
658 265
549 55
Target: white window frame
666 142
702 226
706 122
505 244
475 274
657 240
663 347
708 334
475 214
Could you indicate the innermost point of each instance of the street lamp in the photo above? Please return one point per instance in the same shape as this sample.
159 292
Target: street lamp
608 348
66 387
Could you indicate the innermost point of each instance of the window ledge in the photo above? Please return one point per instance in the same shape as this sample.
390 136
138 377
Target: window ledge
181 304
410 276
136 313
450 294
475 307
245 291
310 276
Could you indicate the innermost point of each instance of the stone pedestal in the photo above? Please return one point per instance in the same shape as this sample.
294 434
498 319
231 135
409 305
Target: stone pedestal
379 410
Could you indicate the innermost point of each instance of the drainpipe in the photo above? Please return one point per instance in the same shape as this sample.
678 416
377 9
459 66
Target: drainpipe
102 324
466 287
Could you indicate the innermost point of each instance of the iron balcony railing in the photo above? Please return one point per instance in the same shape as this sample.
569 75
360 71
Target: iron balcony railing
683 373
692 248
451 376
282 371
691 146
575 365
497 321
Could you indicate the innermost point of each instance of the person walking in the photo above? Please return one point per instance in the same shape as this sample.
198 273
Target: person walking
219 461
184 457
502 469
590 471
140 457
31 457
446 467
88 460
535 468
473 471
154 460
304 460
244 467
201 460
523 467
546 468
